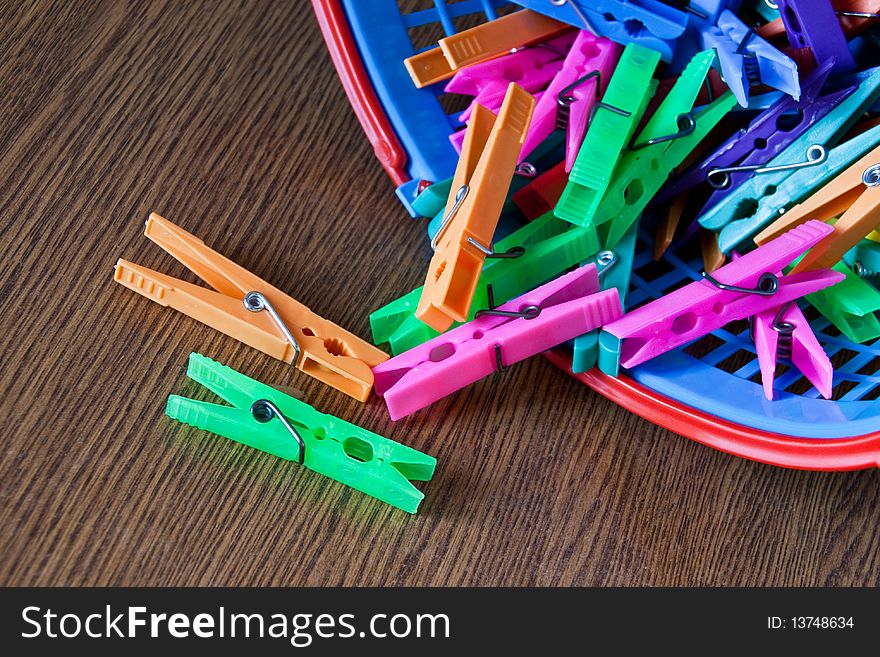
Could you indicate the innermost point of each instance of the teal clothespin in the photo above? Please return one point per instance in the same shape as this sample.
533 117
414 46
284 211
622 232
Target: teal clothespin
585 351
432 199
850 305
268 420
864 260
613 123
551 246
734 216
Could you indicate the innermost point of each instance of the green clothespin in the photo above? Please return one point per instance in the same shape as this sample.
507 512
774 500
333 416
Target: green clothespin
613 123
432 199
268 420
850 305
585 352
551 246
633 187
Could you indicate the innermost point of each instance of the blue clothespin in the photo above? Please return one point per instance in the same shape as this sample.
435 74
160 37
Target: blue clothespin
737 216
648 23
746 59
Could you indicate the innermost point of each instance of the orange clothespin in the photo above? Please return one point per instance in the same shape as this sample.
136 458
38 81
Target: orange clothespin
854 196
479 188
285 330
713 257
668 224
480 43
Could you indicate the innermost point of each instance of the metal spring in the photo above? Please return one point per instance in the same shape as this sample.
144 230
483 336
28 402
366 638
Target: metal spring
863 272
786 334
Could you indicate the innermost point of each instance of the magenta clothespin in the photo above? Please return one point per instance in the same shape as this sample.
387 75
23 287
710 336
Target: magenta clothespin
457 138
531 68
570 97
784 333
557 311
740 289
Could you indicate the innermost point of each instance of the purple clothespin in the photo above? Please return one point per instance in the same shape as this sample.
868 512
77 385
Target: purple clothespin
767 135
746 59
571 95
814 24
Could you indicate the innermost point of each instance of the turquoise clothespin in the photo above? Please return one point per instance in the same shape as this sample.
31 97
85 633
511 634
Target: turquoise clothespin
613 123
585 351
266 419
432 199
551 246
864 260
850 305
734 215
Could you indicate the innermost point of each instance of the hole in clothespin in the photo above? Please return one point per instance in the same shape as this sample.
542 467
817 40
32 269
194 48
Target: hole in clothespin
307 331
441 352
336 347
357 449
439 272
684 323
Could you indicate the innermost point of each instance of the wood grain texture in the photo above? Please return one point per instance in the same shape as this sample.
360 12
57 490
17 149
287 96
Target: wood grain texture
227 118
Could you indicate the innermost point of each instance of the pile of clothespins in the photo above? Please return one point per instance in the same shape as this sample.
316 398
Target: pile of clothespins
747 129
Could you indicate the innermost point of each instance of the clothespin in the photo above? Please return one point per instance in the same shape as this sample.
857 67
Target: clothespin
768 134
668 224
534 322
271 421
740 289
531 68
659 149
784 333
735 215
853 16
613 123
850 306
813 24
252 311
432 199
478 192
480 43
549 246
540 195
864 260
854 196
646 23
746 59
614 274
713 258
571 95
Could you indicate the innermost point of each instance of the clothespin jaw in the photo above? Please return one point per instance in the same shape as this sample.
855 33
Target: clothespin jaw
659 26
784 332
744 58
550 246
614 121
737 290
332 447
532 323
807 151
298 336
432 198
479 189
479 44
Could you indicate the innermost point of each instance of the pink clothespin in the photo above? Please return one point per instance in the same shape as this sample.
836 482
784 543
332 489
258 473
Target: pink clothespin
740 289
571 96
531 68
784 332
538 320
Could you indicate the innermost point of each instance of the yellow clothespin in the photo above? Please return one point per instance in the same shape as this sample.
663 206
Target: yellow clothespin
482 178
480 43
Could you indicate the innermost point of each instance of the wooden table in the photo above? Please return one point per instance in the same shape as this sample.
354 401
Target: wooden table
227 118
